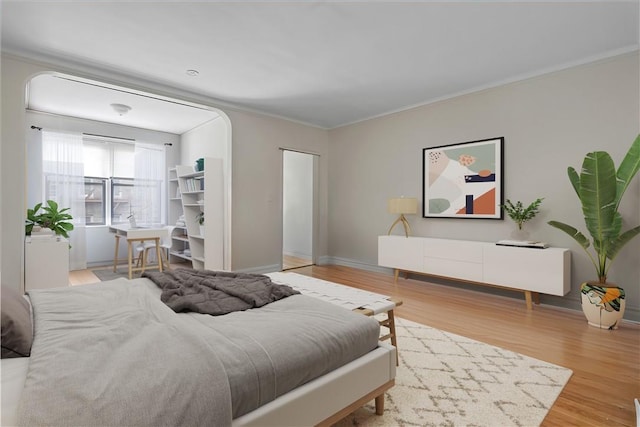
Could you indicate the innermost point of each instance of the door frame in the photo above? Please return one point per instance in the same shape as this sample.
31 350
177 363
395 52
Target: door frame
315 217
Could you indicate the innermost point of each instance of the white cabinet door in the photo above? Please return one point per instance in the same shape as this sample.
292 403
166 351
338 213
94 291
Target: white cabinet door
403 253
539 270
458 259
46 263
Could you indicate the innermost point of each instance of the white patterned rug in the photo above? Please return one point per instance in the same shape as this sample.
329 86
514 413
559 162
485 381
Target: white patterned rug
448 380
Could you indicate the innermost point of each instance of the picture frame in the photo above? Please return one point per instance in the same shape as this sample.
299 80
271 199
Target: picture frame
463 180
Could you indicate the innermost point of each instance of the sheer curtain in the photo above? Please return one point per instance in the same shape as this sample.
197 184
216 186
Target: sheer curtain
148 184
63 173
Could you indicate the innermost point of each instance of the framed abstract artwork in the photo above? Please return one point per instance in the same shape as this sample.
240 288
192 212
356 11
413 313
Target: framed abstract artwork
463 180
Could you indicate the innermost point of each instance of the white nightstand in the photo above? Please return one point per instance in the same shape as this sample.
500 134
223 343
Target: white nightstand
46 263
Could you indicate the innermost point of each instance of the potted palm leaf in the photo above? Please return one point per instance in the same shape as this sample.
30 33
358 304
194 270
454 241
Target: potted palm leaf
600 188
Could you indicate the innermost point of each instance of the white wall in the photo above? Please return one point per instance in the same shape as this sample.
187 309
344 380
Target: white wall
206 140
257 186
297 204
549 123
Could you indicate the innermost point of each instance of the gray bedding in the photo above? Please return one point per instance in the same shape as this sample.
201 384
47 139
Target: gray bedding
216 292
113 354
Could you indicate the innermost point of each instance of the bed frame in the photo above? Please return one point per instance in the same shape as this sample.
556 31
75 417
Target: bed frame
328 399
323 401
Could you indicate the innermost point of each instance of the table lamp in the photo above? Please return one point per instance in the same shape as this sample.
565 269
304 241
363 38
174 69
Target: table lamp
402 206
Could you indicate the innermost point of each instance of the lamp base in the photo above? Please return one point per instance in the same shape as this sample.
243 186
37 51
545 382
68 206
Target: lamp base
405 223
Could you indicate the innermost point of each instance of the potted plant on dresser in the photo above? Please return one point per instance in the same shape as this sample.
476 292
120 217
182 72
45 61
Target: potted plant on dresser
519 214
600 188
53 218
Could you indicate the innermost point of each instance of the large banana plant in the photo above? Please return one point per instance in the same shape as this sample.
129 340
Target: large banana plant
600 189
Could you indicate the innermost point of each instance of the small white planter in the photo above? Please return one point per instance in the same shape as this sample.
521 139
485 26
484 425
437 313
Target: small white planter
202 230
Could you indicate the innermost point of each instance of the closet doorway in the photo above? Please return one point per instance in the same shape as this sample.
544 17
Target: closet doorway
299 205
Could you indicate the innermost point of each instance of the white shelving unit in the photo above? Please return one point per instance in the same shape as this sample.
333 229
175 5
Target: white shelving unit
179 239
202 191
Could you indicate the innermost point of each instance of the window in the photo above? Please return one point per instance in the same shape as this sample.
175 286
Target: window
95 201
107 198
112 190
122 191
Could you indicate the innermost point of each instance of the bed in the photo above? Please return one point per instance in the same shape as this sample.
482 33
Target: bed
125 358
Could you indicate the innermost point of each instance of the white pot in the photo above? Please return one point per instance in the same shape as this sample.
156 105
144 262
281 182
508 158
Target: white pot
603 306
202 230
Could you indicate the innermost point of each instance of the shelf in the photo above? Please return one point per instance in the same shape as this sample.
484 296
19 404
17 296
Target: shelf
193 175
179 255
195 194
181 238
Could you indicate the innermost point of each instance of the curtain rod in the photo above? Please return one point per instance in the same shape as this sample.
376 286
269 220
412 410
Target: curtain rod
104 136
109 136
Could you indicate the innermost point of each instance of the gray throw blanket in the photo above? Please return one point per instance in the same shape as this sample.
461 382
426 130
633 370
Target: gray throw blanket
216 292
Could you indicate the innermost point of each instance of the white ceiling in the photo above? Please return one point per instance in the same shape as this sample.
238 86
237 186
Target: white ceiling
75 97
324 63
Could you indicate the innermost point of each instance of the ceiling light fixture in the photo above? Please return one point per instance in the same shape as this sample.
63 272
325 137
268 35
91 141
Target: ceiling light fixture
121 108
192 73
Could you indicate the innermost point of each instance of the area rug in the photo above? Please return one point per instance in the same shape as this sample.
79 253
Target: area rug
448 380
109 274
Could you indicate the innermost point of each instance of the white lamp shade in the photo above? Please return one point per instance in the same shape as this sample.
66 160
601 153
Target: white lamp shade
402 205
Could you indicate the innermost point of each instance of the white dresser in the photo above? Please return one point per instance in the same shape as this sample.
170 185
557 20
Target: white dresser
530 270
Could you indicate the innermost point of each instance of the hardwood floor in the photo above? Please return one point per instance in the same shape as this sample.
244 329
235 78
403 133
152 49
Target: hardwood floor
605 364
291 262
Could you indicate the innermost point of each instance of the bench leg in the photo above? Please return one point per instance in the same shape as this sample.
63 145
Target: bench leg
392 331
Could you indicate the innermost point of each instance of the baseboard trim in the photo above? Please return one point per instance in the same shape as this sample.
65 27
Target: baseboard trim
632 314
260 270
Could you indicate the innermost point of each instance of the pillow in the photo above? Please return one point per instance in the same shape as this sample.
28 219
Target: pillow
17 330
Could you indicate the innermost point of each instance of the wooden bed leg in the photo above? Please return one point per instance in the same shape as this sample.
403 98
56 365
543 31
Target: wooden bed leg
380 404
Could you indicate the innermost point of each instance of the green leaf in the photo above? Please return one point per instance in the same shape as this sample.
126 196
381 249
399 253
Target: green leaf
598 194
616 244
573 232
628 169
575 180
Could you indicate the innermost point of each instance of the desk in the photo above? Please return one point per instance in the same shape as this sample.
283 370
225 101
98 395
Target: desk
136 234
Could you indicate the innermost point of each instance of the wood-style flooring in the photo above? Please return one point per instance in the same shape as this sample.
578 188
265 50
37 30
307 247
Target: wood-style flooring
291 262
605 364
